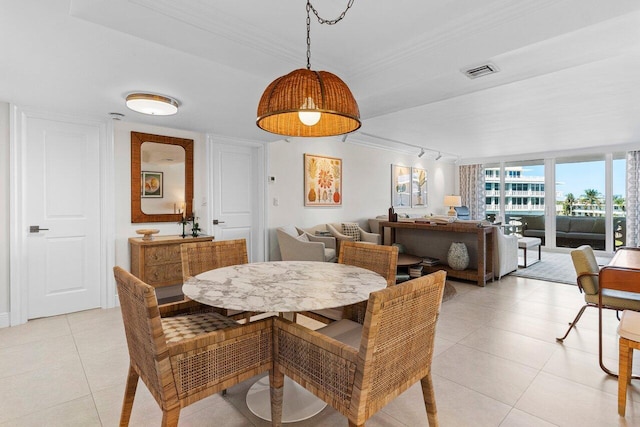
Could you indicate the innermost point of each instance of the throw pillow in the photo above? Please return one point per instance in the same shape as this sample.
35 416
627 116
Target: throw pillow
351 229
303 237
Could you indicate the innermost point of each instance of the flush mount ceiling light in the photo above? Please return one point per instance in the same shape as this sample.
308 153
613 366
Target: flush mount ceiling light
154 105
309 103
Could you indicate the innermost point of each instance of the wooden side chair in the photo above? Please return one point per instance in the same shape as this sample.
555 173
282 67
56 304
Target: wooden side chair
184 353
199 257
356 368
378 258
629 331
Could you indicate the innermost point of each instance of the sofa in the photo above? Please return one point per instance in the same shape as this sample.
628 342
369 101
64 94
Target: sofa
571 231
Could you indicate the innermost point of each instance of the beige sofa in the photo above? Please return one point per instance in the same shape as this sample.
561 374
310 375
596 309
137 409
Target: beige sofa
299 245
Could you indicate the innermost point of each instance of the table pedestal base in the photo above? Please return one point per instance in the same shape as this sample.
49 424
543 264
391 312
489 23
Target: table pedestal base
297 403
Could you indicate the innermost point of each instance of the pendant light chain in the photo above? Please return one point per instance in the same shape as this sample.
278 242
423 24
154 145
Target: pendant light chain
321 21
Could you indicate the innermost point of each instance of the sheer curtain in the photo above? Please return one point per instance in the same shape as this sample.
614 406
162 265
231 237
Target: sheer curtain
472 190
633 198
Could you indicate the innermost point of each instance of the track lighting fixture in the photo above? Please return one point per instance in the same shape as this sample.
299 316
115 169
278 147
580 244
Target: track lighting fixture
421 152
439 156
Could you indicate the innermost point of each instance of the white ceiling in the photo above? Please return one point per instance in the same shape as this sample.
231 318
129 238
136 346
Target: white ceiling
569 69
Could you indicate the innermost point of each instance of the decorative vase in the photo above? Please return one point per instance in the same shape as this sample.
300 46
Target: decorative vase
458 256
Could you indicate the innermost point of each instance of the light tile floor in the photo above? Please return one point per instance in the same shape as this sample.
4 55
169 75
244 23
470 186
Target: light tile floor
496 364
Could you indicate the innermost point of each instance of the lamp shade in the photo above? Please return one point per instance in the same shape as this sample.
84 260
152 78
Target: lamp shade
287 101
452 201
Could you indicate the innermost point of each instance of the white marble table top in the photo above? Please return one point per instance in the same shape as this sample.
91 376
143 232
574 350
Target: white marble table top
283 286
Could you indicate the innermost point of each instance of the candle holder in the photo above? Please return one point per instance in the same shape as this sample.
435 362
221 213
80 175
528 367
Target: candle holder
183 222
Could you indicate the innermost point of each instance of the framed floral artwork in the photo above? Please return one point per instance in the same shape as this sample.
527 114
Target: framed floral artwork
400 186
322 180
418 188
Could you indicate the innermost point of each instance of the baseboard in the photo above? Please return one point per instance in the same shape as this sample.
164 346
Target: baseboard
4 320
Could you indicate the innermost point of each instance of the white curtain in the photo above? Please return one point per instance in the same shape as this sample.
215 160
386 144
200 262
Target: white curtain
632 201
472 190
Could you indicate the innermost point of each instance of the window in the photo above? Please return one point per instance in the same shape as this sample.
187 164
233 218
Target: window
580 191
618 199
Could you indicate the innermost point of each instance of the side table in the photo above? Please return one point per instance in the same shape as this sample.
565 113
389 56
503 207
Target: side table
406 261
527 243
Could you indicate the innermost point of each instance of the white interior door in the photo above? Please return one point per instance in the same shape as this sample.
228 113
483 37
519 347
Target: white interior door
237 187
62 196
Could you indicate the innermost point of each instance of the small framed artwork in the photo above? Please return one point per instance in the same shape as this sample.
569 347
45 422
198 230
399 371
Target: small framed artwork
322 180
418 188
400 186
152 184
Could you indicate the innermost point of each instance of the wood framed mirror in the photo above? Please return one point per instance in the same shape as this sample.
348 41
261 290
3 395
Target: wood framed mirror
161 178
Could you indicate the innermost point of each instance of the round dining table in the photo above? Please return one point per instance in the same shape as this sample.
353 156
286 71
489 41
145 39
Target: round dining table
283 287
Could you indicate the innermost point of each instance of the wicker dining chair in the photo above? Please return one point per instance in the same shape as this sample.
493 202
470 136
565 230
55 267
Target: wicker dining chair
199 257
184 353
358 369
378 258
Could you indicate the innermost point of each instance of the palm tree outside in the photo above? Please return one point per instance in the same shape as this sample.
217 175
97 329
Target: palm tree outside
591 198
567 206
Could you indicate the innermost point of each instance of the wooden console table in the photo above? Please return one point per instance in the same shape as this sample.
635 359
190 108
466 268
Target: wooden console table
157 262
484 236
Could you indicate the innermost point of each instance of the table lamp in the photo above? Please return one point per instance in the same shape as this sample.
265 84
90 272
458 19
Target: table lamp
452 201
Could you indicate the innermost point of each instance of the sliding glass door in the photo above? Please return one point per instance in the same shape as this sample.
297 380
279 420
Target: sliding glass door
515 193
580 203
566 202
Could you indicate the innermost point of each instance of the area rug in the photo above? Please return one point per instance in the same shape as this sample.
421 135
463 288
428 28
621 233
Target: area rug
449 291
554 267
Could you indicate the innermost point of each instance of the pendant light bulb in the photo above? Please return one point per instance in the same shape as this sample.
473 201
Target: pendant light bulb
309 118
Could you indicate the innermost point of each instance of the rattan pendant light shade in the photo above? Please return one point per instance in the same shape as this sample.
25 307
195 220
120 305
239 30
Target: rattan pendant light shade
288 95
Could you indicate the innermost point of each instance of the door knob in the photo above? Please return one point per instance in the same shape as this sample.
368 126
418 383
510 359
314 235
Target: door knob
36 228
216 222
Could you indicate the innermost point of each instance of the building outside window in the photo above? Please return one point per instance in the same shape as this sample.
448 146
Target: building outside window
580 191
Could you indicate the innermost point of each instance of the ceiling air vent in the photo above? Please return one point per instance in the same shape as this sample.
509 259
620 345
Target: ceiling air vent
481 70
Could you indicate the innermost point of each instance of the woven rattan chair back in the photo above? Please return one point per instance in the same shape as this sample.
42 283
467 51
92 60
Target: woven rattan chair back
145 337
400 325
396 351
199 257
381 259
187 369
203 256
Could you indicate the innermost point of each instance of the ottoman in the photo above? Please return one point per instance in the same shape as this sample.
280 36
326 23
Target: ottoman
529 243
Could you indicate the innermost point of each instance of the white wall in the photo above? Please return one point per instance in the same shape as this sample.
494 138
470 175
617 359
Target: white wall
366 184
366 188
4 213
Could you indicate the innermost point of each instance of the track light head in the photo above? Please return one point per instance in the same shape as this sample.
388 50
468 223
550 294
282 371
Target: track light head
439 156
421 152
